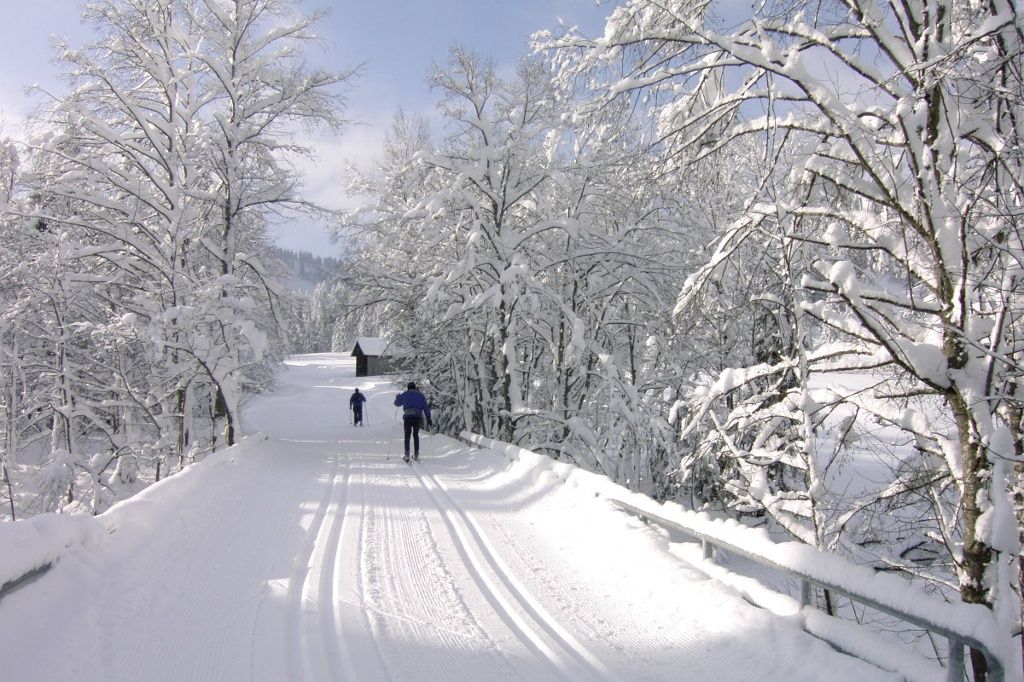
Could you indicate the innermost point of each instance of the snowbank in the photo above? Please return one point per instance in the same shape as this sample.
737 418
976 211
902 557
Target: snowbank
35 543
968 621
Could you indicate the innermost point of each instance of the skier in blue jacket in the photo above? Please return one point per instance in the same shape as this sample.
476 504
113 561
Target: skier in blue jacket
414 408
356 404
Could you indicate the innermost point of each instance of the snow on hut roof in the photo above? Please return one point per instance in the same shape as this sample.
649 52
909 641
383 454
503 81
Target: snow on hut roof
370 345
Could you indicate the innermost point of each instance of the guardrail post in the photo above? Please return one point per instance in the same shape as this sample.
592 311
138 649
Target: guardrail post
955 664
805 593
958 638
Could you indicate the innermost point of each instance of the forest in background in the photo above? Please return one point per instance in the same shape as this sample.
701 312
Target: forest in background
767 265
306 270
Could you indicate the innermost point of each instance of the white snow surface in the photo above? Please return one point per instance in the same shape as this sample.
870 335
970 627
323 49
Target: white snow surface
310 551
38 541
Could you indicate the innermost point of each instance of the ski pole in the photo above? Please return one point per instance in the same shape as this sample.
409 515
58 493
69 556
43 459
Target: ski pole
389 446
398 427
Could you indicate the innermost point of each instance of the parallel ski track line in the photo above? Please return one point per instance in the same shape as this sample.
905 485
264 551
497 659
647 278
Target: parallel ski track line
663 646
351 555
412 593
314 604
479 554
298 652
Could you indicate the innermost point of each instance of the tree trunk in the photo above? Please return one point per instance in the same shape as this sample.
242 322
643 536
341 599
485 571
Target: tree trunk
222 411
977 554
180 435
10 491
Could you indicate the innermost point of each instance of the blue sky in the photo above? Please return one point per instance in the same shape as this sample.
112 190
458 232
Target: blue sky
397 41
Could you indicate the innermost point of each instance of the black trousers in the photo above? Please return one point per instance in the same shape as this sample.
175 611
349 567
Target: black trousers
412 428
357 414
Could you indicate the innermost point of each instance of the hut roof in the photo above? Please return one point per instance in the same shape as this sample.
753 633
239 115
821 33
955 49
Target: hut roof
370 345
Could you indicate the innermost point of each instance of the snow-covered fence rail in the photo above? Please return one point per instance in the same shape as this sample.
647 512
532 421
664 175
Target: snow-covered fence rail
961 624
29 548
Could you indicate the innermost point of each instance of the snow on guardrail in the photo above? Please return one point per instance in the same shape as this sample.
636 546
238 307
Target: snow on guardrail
31 546
971 624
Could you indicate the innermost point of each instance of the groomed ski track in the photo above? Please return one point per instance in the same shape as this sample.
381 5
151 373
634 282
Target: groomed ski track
311 552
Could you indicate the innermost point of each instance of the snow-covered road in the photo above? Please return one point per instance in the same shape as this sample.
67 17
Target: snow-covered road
312 552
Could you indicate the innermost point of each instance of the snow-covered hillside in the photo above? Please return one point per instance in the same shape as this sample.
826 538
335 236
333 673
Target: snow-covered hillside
312 552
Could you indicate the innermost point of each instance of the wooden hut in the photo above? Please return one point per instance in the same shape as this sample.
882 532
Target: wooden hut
370 356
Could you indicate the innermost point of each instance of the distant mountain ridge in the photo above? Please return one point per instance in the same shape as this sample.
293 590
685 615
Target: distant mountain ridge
306 270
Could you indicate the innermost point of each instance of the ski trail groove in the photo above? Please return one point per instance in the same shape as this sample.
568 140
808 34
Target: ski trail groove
564 652
350 603
318 632
331 632
412 593
297 653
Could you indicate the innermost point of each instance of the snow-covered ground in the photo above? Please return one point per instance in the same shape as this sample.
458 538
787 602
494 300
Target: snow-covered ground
312 552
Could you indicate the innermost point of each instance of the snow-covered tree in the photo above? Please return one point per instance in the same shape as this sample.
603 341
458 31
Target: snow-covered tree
900 122
516 258
145 287
260 89
313 318
10 387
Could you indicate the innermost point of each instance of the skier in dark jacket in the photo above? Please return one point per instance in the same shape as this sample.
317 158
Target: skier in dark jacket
356 404
414 408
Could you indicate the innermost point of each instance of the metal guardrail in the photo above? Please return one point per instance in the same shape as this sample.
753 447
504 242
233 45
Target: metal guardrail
957 640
